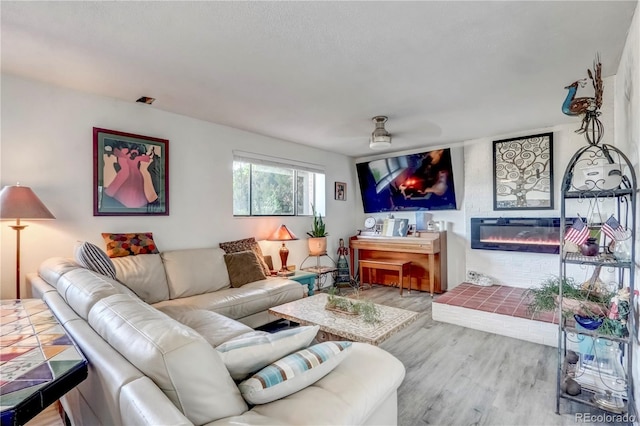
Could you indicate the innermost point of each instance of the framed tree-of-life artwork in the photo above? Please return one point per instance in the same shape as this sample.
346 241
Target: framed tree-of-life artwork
130 174
523 173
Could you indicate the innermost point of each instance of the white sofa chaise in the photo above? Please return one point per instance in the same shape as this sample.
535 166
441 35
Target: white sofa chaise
146 368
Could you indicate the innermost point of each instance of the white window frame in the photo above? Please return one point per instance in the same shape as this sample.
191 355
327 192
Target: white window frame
319 181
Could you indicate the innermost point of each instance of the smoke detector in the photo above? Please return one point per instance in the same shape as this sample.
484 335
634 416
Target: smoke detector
380 138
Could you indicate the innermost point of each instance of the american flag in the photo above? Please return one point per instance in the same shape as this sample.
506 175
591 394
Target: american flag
613 229
577 233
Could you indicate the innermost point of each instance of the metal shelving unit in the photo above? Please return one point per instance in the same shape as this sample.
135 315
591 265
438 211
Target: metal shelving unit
599 177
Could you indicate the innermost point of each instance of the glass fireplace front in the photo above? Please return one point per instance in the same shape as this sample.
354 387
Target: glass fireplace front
531 235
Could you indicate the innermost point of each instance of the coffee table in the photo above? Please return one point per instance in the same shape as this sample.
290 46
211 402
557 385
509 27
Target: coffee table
339 326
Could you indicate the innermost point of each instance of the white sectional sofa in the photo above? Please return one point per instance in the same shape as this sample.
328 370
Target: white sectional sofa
147 368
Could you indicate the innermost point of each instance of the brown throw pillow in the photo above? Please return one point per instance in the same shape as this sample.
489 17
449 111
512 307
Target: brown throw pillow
243 268
243 245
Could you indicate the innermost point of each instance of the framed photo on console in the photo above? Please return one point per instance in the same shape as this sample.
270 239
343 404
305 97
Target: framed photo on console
130 174
523 173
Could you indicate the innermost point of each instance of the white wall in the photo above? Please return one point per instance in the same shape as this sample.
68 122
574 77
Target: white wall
473 175
627 124
514 268
47 145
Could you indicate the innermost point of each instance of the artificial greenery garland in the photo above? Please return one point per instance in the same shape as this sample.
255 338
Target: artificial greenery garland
367 309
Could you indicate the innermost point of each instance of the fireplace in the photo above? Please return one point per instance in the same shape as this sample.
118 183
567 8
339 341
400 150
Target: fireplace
530 235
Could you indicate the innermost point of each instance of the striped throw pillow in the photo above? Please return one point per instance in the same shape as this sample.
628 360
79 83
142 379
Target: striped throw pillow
249 353
92 257
293 372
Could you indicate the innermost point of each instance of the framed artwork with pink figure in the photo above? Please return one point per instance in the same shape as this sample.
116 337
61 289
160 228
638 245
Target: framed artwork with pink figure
130 174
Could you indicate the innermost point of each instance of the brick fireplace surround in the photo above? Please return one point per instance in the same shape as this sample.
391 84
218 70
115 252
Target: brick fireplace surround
496 309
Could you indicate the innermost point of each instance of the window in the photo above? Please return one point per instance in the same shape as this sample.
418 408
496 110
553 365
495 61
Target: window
266 186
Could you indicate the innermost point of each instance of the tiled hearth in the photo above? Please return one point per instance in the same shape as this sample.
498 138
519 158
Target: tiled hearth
496 309
498 299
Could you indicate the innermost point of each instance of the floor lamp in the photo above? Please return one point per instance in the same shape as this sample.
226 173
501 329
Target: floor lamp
20 202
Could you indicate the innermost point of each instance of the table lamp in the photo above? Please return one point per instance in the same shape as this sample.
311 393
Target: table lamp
20 202
283 234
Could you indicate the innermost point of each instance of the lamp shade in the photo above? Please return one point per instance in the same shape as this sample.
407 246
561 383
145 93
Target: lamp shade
20 202
282 234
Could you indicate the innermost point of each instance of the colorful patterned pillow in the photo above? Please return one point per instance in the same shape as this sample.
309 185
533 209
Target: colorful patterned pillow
119 245
293 372
243 245
91 257
249 353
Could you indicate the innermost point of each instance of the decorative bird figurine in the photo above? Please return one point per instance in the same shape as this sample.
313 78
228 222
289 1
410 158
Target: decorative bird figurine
589 106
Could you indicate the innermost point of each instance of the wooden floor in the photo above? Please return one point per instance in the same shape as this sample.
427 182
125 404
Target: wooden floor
460 376
49 417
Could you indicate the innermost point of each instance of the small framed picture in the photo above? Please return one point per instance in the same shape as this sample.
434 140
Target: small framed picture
341 191
130 174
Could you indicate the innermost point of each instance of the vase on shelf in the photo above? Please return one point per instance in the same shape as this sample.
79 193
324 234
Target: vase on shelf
589 247
622 249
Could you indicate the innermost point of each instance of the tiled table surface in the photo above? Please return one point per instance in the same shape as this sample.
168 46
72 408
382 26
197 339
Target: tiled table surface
39 363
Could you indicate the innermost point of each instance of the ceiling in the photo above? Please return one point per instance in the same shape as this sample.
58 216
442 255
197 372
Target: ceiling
315 73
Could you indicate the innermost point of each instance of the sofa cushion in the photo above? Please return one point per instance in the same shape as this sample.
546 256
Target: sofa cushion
215 328
243 245
82 288
195 271
244 355
243 268
247 300
182 364
130 244
52 269
144 274
92 257
293 372
355 390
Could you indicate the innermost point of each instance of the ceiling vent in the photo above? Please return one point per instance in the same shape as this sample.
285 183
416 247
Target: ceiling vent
380 138
146 100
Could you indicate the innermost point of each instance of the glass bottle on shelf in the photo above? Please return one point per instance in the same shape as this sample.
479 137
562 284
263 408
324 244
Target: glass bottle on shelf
622 249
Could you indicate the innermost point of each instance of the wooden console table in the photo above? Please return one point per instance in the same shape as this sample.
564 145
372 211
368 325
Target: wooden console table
427 253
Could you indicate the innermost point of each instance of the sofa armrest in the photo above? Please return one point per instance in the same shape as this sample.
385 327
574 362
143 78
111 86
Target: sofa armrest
143 403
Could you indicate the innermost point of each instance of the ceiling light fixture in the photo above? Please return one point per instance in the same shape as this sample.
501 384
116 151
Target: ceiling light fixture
380 138
146 100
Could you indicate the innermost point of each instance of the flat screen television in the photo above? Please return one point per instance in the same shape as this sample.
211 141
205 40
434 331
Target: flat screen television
421 181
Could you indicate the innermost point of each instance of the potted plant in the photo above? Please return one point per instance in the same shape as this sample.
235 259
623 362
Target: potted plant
588 302
317 235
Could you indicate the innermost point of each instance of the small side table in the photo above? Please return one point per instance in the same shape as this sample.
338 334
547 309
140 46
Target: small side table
40 362
320 271
305 278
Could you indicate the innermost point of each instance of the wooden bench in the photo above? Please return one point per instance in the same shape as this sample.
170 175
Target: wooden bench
403 268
